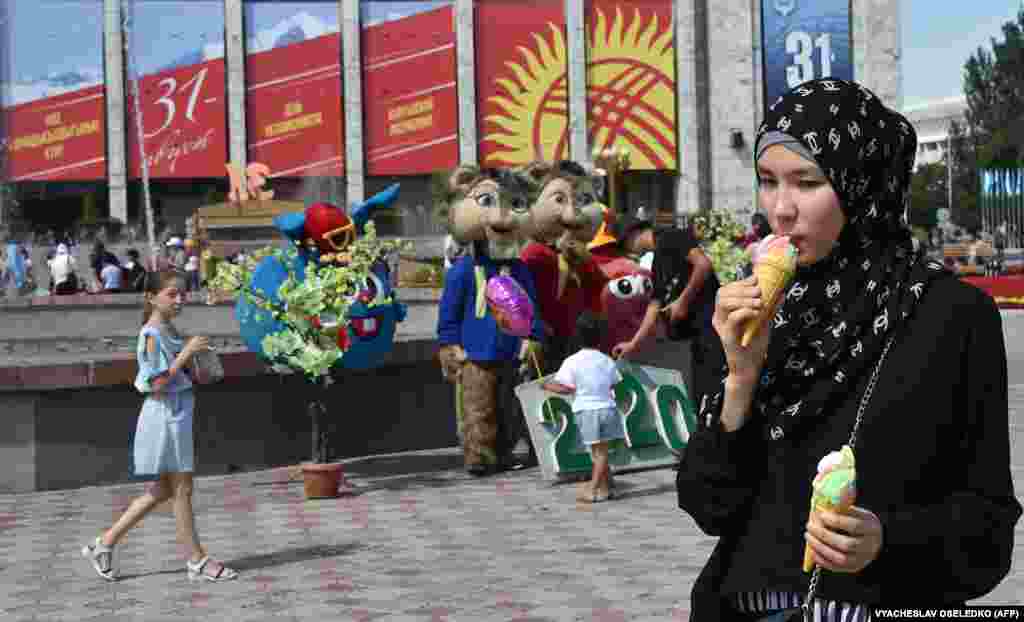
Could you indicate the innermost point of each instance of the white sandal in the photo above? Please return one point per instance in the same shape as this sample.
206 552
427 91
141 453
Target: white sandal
195 571
102 558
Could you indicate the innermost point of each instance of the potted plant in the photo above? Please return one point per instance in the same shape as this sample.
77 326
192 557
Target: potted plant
720 235
313 313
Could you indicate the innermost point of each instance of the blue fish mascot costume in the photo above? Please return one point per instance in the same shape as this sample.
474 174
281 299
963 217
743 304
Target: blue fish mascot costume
322 233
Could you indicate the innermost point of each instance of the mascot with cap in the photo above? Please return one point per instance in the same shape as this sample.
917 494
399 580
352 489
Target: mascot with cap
624 300
322 233
489 210
566 216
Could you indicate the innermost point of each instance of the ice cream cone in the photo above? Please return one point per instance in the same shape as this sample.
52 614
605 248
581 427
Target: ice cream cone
834 489
773 276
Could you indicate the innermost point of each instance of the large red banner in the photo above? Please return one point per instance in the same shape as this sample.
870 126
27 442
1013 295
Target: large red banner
294 101
56 138
631 80
184 120
410 95
522 91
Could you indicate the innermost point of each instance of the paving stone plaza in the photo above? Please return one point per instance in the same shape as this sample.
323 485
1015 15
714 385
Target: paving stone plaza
419 541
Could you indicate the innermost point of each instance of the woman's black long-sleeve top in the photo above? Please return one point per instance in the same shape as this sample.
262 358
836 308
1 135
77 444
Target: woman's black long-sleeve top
933 462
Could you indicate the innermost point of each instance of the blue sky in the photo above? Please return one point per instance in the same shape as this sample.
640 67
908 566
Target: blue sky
939 36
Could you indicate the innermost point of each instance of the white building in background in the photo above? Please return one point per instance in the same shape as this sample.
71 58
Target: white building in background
931 120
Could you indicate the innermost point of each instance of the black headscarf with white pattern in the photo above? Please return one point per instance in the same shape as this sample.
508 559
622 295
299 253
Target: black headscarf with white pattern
839 312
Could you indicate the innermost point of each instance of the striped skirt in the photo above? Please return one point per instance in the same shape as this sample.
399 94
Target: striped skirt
766 606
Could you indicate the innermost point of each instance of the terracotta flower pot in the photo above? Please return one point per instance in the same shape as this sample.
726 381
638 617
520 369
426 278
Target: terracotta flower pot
322 481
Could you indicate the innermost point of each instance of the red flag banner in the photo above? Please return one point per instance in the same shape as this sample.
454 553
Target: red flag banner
522 89
410 96
60 138
184 121
631 80
295 118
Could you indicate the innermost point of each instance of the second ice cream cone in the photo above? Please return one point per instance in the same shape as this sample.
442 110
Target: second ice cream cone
808 556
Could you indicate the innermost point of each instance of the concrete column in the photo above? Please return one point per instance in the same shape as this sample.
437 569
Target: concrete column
465 55
758 66
5 75
114 78
234 26
575 25
352 66
877 49
694 157
730 84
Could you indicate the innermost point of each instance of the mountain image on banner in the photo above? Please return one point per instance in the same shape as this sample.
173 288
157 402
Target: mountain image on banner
209 51
30 89
295 29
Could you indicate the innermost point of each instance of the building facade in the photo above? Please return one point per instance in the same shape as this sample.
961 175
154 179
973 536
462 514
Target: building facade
932 120
340 98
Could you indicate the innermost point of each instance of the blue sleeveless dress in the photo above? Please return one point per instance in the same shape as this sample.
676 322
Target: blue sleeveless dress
163 436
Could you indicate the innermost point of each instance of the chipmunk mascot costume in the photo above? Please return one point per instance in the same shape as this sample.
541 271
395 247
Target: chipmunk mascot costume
489 209
566 216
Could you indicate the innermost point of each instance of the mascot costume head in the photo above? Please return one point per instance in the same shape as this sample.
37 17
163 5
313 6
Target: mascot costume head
490 210
322 233
567 213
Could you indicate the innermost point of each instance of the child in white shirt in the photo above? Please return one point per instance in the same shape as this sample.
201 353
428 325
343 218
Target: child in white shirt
589 376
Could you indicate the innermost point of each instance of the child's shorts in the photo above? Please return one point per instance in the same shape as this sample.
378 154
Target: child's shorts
598 426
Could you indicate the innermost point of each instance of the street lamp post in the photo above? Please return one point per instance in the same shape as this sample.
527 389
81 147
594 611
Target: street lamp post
133 79
949 171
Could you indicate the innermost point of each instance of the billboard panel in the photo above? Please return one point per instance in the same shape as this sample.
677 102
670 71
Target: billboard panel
410 95
52 103
804 40
522 91
180 54
631 80
294 113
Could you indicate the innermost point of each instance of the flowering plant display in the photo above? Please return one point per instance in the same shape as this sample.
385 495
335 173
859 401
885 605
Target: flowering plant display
720 234
312 307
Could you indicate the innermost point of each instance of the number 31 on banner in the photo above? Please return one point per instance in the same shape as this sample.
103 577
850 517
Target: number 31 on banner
170 86
801 46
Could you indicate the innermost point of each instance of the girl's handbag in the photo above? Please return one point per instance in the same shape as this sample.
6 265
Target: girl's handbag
206 367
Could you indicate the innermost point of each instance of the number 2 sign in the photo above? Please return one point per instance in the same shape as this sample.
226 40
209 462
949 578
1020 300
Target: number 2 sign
804 40
184 122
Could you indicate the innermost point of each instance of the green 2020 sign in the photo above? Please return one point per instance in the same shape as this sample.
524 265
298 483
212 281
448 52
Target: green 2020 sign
655 416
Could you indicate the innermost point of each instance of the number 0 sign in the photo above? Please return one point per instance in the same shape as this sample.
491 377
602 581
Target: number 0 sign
804 40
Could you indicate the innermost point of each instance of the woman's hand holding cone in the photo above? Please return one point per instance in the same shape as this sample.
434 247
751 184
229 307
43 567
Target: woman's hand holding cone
739 303
845 542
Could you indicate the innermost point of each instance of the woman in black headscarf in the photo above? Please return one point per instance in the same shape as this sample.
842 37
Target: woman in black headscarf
871 337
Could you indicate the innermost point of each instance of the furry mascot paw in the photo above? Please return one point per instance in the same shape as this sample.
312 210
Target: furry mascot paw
531 359
574 251
452 358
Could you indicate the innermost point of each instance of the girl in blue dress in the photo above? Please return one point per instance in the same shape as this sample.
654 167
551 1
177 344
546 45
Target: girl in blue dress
163 448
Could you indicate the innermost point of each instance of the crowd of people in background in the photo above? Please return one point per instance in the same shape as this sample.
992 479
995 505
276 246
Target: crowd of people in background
105 272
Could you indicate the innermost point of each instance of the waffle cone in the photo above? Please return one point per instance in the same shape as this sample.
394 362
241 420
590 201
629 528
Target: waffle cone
773 276
838 509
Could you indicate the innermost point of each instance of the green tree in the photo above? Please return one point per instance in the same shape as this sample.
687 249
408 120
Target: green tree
966 181
994 88
927 194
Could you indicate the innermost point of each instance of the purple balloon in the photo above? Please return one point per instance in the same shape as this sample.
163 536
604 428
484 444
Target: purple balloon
510 304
